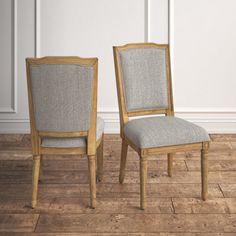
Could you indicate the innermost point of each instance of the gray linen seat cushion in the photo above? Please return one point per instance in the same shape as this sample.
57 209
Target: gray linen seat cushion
163 131
73 142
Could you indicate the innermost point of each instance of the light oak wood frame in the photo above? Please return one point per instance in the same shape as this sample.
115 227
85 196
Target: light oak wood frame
92 144
169 111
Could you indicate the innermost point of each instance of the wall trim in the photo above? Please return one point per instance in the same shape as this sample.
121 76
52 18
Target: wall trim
13 108
219 120
146 20
37 28
214 120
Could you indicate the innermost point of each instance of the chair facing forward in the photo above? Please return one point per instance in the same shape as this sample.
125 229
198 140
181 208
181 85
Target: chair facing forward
62 94
144 88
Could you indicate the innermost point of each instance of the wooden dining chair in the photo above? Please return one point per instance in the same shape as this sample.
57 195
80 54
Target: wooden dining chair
62 93
143 77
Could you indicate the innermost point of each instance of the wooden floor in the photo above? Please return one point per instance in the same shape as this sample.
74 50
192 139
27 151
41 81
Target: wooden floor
174 205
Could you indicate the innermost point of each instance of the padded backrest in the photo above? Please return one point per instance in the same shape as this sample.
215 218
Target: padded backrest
62 96
144 77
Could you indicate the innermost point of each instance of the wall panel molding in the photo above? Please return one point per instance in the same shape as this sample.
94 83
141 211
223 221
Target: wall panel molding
37 10
13 107
214 119
217 120
146 20
227 111
37 28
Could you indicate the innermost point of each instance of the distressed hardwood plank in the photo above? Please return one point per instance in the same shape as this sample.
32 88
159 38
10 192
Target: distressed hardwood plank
229 190
178 177
122 205
18 222
137 223
220 146
64 192
11 138
22 155
219 165
52 165
80 205
22 191
196 206
112 205
15 155
223 137
118 234
81 177
233 145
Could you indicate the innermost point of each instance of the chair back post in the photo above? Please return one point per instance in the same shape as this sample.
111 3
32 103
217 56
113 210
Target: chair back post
35 138
169 79
120 93
91 143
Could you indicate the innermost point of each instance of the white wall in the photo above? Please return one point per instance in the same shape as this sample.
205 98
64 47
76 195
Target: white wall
201 34
202 37
16 43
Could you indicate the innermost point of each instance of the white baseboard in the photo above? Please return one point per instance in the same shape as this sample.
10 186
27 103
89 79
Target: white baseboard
14 126
214 121
217 121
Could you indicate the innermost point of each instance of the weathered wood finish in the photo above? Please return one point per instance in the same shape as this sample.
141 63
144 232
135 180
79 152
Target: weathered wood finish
35 180
124 150
174 205
143 181
204 173
100 160
36 135
170 164
169 111
92 180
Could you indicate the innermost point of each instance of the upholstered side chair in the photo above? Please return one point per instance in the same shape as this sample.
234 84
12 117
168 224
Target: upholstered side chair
143 77
62 94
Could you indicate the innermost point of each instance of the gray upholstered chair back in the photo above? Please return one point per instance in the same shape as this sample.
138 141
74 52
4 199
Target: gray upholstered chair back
144 77
62 96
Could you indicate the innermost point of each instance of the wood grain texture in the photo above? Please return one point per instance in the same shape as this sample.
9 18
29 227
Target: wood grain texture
201 146
170 164
118 234
124 149
90 135
174 204
100 160
136 223
18 222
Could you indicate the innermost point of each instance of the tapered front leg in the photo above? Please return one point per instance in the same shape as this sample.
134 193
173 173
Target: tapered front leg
143 181
100 161
41 169
204 174
35 179
123 158
92 180
170 164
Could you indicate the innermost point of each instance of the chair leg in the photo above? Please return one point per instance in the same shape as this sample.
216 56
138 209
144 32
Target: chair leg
35 180
170 164
92 180
204 174
124 150
100 161
41 169
143 181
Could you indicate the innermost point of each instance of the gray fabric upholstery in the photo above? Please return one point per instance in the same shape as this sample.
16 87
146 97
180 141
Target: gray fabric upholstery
72 142
163 131
62 96
144 78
